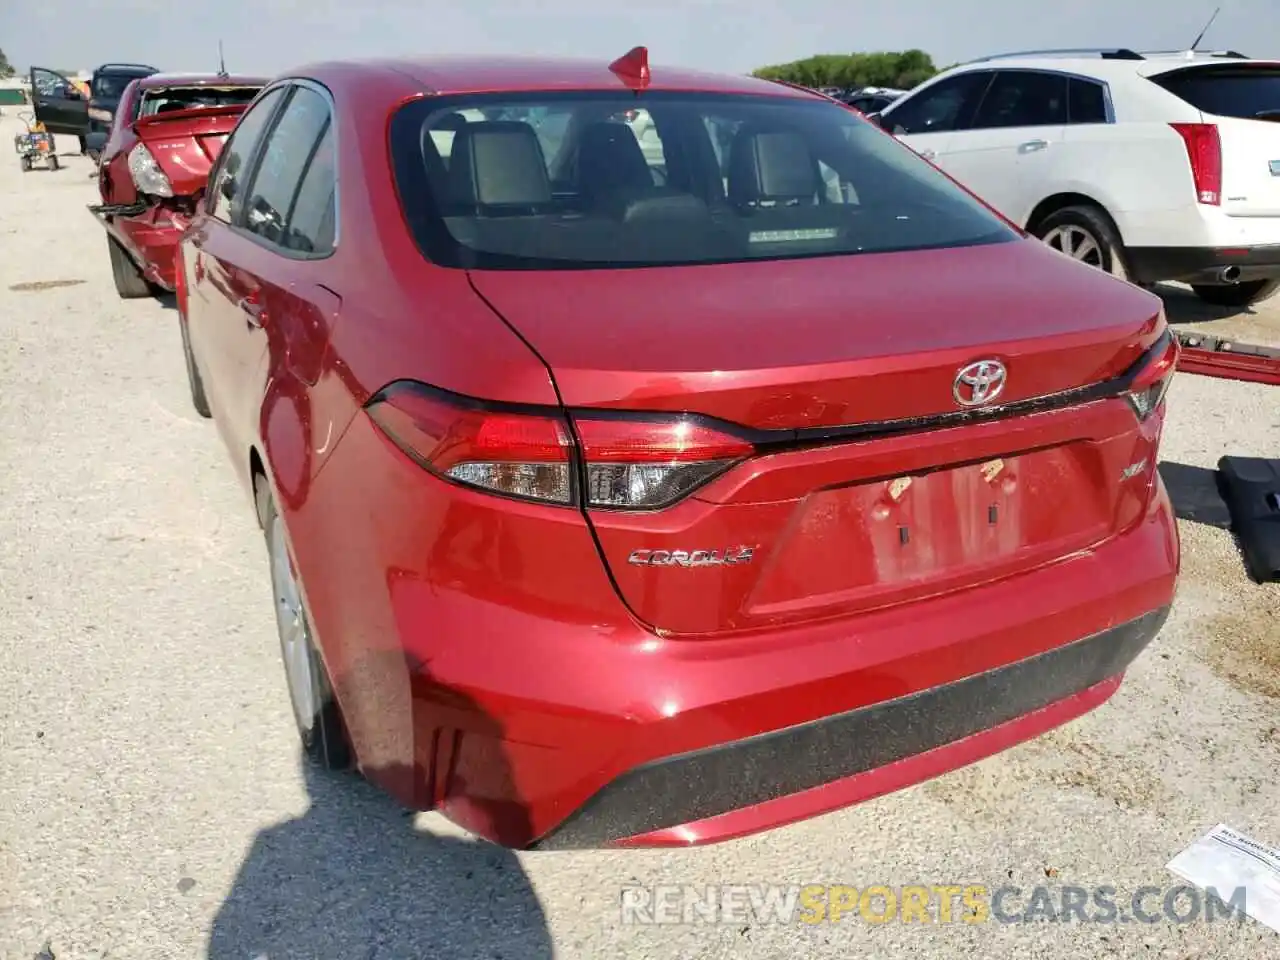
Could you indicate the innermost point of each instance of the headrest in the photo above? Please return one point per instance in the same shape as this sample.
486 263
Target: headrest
610 159
771 165
498 162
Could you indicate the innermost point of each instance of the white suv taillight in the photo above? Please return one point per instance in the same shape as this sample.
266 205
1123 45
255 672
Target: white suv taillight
146 173
602 460
1204 150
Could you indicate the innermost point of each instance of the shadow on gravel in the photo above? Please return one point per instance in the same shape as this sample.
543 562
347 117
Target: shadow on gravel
1195 494
167 300
1183 306
352 878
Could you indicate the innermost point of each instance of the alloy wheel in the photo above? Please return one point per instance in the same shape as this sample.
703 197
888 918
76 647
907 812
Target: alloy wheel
1077 243
295 639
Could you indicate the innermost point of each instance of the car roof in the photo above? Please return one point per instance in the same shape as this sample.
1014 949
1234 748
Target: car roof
1151 64
125 69
200 80
509 74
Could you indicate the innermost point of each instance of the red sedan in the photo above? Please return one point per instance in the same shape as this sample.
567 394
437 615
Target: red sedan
620 495
165 135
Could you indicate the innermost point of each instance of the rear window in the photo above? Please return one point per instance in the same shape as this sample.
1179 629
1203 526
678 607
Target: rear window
592 180
167 99
1250 93
110 86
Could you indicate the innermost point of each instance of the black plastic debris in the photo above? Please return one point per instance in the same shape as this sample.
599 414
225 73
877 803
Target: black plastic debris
1251 487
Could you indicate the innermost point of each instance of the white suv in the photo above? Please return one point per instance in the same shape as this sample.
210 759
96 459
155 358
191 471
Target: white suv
1157 166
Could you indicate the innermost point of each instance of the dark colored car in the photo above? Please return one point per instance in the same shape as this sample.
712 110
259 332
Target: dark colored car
614 507
165 135
105 89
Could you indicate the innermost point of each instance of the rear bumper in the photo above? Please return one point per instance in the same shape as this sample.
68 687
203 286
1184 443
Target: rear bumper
534 730
150 236
1203 264
727 789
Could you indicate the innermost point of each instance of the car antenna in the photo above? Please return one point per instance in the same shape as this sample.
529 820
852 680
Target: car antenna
1195 45
222 63
632 68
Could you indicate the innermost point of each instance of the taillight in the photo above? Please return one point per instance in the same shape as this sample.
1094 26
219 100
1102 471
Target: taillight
607 461
1204 150
647 462
146 173
1149 386
515 454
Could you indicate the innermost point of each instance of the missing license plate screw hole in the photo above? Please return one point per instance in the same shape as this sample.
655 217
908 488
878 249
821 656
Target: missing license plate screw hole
904 535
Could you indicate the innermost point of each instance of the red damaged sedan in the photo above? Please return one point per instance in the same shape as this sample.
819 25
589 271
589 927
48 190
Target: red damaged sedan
165 135
623 493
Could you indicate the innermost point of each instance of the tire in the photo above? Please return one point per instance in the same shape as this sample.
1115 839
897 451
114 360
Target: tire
53 162
130 283
198 398
26 164
1236 294
315 709
1089 234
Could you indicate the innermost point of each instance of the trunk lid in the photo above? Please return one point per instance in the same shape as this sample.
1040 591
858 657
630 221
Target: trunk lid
186 142
834 526
824 342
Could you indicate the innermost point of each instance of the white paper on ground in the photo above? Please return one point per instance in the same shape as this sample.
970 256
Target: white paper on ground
1227 860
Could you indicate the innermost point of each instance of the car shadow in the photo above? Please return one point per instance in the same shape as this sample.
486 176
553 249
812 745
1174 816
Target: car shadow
354 877
1182 306
167 300
1196 494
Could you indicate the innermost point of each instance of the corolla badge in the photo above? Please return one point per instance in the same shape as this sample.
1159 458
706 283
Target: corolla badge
728 557
978 383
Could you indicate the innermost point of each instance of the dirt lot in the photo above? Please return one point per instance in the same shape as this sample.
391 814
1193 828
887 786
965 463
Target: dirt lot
151 800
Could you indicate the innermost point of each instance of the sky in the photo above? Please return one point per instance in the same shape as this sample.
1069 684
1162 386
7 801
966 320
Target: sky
271 36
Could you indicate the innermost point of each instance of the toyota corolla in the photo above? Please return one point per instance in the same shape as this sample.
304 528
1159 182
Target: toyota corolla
623 494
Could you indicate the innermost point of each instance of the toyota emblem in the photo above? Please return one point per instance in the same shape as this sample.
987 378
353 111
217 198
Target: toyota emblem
979 383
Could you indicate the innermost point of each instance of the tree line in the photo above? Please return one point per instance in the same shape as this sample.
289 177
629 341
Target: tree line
902 70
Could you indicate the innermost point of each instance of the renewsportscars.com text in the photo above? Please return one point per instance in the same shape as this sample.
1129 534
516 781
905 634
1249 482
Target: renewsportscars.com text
936 903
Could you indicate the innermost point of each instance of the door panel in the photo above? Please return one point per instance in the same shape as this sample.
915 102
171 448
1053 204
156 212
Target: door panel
57 103
1011 147
1005 167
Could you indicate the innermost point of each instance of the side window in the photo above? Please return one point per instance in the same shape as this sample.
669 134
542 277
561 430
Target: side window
1086 101
227 187
50 84
285 155
1024 98
947 105
310 221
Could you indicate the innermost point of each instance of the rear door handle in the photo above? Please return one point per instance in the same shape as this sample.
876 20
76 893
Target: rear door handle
1031 146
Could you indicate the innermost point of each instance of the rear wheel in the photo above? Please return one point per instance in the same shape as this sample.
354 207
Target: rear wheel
54 164
315 709
1236 294
130 283
1084 233
26 164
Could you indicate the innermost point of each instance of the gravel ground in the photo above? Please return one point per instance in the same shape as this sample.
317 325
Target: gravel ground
152 804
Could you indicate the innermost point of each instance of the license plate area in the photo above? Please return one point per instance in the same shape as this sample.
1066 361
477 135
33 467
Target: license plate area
877 541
